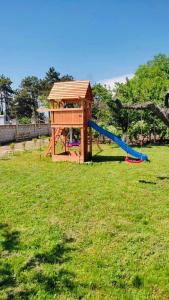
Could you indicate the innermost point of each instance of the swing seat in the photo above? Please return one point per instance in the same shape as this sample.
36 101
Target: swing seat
73 144
133 161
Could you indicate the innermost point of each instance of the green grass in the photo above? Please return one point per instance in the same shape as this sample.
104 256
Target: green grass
97 231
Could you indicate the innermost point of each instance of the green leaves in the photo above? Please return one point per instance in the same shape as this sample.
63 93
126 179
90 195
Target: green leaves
102 98
150 82
5 96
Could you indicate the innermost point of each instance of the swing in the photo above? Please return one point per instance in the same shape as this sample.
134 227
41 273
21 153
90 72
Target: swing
73 144
133 160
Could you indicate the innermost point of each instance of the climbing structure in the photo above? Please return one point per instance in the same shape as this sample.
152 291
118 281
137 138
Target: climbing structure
70 107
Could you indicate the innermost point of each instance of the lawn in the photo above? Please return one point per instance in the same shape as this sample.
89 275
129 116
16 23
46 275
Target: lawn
91 231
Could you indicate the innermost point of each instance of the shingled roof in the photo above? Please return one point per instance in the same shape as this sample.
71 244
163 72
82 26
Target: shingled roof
70 90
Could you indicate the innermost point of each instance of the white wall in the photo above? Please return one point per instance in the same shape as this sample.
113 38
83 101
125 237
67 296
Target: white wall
2 120
12 133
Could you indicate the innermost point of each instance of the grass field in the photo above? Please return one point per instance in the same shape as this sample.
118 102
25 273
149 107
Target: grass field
97 231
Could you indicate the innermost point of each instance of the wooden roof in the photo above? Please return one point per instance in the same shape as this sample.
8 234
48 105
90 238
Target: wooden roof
70 90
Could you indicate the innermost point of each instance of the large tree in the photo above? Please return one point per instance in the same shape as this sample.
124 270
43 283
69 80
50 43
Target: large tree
6 97
23 104
31 86
150 82
107 112
27 97
146 89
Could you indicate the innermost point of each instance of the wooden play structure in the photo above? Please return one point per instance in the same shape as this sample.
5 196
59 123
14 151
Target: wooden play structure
70 108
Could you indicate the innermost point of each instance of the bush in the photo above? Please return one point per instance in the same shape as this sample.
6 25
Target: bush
24 120
12 147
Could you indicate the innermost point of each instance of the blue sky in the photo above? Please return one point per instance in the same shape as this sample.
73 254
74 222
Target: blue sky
95 40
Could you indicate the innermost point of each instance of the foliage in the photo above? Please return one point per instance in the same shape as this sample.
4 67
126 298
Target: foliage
138 128
12 147
97 231
24 104
24 120
46 84
33 93
6 93
24 145
102 96
151 81
106 111
35 141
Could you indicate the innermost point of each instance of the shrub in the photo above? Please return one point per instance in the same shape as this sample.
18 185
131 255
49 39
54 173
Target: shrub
24 145
24 120
35 142
12 147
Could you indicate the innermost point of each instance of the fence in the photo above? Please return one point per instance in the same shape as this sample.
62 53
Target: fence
12 133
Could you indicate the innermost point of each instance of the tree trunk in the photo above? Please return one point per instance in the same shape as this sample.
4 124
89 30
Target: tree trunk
124 136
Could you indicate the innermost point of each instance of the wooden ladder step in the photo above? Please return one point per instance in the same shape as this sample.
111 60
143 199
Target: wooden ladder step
58 133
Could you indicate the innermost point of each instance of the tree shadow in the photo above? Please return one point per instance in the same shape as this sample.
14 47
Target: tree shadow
163 177
147 182
58 283
10 239
9 242
59 280
7 278
57 255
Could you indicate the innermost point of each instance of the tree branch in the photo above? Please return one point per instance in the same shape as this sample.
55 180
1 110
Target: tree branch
162 112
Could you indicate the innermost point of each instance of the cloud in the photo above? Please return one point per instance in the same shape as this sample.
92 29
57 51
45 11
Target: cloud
110 83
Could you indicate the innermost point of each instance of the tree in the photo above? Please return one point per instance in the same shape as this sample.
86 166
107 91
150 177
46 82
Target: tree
46 84
6 100
66 78
146 90
23 104
107 112
151 81
31 86
160 111
52 76
102 96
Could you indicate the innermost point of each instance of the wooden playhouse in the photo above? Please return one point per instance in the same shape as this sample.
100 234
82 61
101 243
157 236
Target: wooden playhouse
70 107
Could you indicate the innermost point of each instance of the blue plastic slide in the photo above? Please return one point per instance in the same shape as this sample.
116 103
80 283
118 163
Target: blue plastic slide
118 141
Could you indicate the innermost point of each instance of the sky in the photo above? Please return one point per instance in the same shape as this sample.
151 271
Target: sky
88 39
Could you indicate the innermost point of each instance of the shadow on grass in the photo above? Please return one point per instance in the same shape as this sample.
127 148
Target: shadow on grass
163 177
105 158
7 278
147 182
57 255
58 281
5 157
10 239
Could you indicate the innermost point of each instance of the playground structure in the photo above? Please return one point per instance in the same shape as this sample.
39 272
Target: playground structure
71 108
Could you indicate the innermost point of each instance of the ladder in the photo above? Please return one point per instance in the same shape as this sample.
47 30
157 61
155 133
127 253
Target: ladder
58 133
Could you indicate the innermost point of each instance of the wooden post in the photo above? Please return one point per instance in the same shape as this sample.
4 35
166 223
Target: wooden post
53 141
82 144
71 134
65 140
90 142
